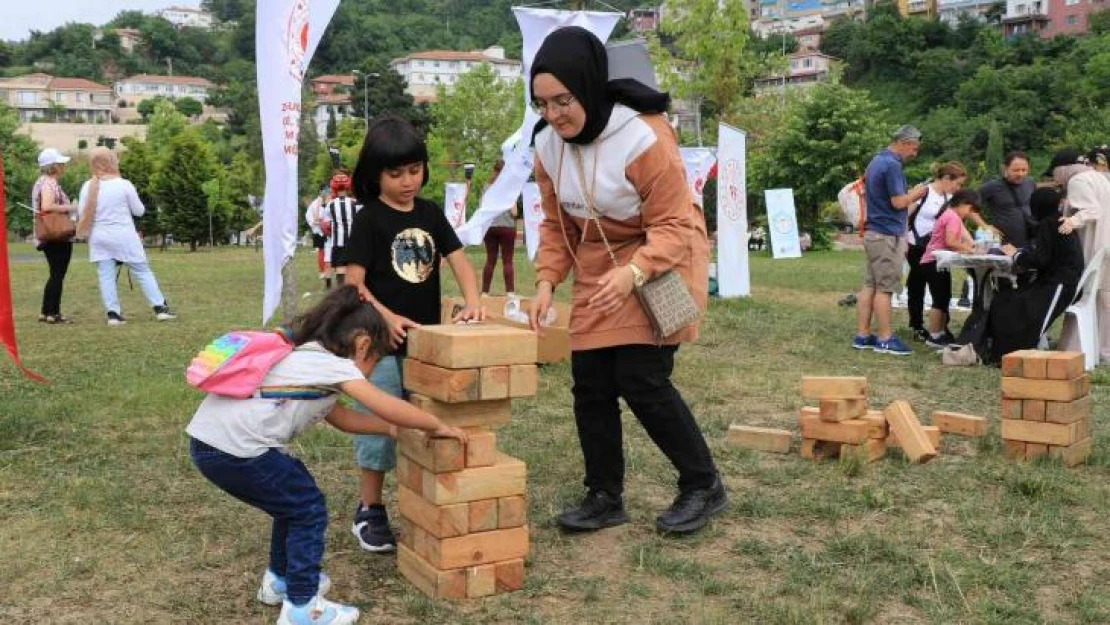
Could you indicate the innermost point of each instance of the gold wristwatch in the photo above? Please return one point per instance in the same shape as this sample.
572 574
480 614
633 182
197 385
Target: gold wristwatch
638 277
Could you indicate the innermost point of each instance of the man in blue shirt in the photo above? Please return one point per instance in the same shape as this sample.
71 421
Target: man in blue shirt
884 240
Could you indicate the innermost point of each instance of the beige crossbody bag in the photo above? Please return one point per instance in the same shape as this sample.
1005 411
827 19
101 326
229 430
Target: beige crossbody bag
665 299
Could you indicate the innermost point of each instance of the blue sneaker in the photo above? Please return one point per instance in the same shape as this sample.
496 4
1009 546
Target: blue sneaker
318 611
371 527
864 342
272 590
892 346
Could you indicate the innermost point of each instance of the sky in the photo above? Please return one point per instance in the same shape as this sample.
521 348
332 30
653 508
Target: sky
19 17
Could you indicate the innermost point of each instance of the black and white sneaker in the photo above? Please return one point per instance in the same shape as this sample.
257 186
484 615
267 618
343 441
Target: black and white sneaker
163 313
115 319
938 342
371 528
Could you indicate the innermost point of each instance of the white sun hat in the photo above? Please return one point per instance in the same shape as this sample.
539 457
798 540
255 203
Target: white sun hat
51 156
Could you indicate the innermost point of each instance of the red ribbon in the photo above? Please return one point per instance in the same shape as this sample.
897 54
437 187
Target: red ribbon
7 314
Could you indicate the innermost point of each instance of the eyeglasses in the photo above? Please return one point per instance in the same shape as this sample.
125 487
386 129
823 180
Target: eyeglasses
560 102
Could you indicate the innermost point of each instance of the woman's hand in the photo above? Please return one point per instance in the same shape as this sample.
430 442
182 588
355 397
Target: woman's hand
540 304
1066 225
616 285
398 328
447 431
471 311
1008 249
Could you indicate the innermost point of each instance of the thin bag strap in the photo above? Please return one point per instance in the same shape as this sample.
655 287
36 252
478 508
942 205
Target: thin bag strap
562 224
588 195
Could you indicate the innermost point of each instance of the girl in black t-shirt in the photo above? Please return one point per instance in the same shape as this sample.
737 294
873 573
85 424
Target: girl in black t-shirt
394 252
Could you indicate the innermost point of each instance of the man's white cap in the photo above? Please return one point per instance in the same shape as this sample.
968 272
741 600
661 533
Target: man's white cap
51 156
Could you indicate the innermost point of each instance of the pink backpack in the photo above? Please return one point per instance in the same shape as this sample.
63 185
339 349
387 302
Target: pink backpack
235 364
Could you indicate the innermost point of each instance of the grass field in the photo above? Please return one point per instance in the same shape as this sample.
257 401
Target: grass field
103 518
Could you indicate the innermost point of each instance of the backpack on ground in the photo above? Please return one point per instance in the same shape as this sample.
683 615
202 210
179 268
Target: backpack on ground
235 364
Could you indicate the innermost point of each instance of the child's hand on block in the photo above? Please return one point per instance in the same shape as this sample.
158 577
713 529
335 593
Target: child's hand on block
447 431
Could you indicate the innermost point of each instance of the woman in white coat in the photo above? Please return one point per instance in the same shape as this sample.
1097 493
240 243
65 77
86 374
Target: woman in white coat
107 205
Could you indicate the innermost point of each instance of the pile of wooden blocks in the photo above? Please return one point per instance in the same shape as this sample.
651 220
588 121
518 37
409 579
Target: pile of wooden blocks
842 425
1046 406
464 531
552 344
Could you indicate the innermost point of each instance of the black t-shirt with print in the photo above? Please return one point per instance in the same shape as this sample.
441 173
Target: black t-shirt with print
401 253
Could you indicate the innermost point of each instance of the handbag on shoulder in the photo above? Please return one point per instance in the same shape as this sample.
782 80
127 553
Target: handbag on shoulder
54 227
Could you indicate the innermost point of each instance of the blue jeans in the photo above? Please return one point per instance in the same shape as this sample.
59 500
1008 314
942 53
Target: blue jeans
106 272
379 453
281 486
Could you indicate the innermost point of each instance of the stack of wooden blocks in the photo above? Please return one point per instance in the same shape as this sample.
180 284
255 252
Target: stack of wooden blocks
464 531
1046 406
842 425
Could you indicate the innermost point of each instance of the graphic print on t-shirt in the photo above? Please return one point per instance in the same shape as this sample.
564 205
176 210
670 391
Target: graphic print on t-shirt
414 254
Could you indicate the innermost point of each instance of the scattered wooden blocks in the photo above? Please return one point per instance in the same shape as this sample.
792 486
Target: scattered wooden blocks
962 424
835 410
761 439
815 387
1046 406
932 433
904 424
852 431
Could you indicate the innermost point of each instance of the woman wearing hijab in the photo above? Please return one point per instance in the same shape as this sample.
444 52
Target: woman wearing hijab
1017 316
610 177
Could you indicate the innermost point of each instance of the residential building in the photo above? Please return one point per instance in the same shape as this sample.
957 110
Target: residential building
644 20
1024 16
186 16
41 97
333 98
918 8
1069 17
425 71
950 11
129 39
135 89
807 68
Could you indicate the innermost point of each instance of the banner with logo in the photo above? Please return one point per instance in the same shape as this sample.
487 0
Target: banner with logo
533 215
7 309
286 35
782 222
454 203
698 162
733 272
535 24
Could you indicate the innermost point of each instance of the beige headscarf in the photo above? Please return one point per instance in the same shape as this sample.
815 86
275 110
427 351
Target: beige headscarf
105 165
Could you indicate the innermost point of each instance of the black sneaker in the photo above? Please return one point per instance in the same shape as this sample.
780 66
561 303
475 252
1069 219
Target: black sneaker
964 303
691 510
163 313
371 528
921 335
599 509
115 319
939 342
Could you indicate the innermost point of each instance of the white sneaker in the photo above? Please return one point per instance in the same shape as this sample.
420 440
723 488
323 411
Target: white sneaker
272 590
318 611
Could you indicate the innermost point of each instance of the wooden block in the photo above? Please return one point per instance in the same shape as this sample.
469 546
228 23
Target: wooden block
817 387
842 409
524 380
405 531
1054 390
471 345
852 431
877 427
493 382
1010 408
868 451
481 581
1033 409
480 548
483 515
1047 433
1084 429
761 439
903 422
932 433
439 521
814 449
448 385
437 455
1064 365
435 583
509 575
1073 454
1034 450
1012 364
409 474
1068 412
470 414
552 344
1013 450
511 512
1034 366
962 424
481 448
420 540
505 478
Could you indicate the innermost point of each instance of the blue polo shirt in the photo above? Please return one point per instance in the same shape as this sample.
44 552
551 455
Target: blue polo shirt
884 179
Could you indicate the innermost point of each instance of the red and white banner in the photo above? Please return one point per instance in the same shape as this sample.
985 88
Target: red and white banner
533 215
286 35
733 274
454 203
698 162
7 310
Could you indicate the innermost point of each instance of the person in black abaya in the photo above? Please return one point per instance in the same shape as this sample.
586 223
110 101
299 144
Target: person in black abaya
1017 316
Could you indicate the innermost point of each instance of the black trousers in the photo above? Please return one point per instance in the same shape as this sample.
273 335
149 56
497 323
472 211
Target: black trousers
915 286
641 374
57 257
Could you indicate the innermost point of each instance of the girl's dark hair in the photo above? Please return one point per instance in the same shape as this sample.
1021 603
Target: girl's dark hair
965 196
339 320
1012 156
390 142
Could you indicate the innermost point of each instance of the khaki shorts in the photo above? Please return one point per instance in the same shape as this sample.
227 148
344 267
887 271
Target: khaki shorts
885 254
